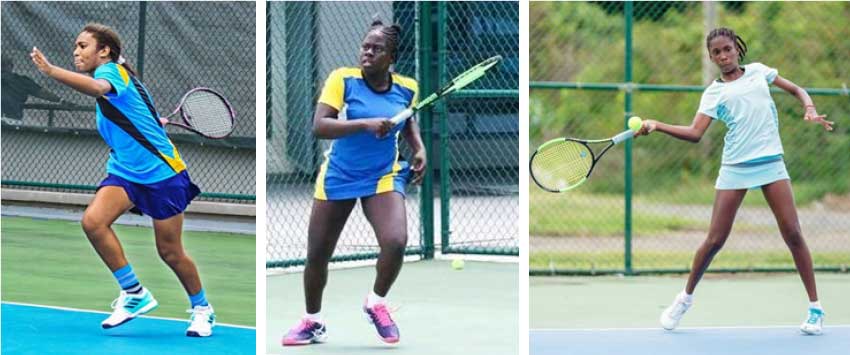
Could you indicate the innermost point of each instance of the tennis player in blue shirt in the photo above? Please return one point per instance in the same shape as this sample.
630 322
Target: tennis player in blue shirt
752 158
145 174
363 163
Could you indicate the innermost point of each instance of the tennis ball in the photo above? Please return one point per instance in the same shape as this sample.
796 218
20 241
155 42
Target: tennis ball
635 123
457 264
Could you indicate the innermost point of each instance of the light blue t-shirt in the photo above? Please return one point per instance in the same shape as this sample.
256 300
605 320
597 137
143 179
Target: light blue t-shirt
128 122
748 110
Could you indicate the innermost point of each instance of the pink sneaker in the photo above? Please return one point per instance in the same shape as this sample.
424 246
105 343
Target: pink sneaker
306 332
379 316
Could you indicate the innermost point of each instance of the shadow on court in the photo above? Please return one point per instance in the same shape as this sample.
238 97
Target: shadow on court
440 310
41 330
732 314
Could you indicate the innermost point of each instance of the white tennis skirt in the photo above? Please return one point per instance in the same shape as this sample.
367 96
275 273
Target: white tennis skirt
750 176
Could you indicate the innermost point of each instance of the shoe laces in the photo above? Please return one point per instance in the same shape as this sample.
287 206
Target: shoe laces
679 309
814 317
120 299
382 314
303 324
200 313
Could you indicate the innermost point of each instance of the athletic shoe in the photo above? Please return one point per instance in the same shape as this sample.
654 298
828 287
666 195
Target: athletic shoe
379 316
128 306
814 324
672 315
201 322
305 332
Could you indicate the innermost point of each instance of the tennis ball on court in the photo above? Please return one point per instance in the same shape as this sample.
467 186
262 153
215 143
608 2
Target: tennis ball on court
635 123
457 264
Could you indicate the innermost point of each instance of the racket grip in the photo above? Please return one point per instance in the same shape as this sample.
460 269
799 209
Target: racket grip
401 116
624 136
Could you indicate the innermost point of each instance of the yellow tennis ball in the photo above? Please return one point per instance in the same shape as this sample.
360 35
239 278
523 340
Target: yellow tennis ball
635 123
457 264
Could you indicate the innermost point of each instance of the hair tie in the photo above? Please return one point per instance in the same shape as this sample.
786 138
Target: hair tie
120 59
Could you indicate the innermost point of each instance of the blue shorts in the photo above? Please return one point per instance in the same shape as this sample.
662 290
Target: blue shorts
160 200
750 176
332 184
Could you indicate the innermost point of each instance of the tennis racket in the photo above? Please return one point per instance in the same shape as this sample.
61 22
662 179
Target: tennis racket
205 112
455 84
563 164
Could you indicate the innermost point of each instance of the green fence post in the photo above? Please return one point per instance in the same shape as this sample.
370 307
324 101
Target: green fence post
268 70
628 169
425 117
445 177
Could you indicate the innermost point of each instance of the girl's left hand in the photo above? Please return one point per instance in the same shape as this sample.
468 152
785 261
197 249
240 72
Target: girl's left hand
41 62
812 116
418 167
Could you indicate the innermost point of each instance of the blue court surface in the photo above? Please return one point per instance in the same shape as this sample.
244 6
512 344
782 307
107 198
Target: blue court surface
29 329
776 340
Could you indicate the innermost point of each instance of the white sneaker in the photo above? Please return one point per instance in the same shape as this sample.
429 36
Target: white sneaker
128 306
201 322
814 323
672 315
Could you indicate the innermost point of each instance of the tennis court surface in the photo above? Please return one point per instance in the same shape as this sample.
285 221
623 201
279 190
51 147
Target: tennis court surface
439 310
732 314
37 330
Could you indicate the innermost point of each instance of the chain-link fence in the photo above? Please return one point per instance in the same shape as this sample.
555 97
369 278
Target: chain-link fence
173 46
595 64
472 149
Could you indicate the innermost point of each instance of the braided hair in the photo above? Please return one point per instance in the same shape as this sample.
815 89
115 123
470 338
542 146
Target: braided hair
728 33
391 32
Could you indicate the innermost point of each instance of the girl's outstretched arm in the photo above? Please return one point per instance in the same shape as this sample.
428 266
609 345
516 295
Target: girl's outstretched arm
798 92
692 133
80 82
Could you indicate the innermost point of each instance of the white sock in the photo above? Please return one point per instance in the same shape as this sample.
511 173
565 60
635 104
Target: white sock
374 299
815 305
685 297
316 317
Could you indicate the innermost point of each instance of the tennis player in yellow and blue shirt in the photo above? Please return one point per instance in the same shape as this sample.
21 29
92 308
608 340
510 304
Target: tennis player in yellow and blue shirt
145 174
752 158
363 162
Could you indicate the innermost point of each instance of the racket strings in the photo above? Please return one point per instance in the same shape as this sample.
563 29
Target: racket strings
208 113
562 165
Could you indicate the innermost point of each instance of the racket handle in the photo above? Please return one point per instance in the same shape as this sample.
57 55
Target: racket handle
624 136
401 116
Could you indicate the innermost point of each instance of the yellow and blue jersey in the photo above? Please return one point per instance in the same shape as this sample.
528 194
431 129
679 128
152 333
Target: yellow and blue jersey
360 164
128 122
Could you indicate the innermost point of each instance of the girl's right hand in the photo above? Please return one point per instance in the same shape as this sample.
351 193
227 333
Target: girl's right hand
647 127
379 126
812 116
41 62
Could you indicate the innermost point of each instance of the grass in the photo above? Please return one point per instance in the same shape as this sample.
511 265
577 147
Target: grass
669 260
50 262
582 212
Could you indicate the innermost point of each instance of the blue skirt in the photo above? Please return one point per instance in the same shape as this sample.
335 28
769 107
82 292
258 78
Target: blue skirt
750 176
160 200
333 184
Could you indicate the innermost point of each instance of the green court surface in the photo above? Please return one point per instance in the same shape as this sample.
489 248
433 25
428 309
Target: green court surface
50 262
442 311
719 300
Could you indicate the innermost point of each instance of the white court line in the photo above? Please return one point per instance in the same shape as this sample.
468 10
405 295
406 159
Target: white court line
566 330
102 312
